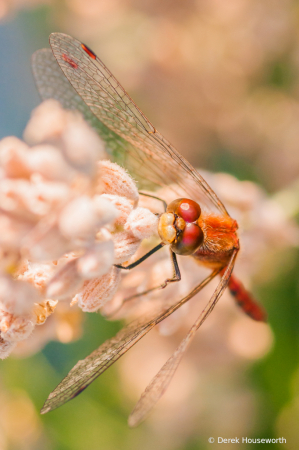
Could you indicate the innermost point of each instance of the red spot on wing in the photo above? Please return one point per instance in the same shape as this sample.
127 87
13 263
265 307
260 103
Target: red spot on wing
246 301
69 61
88 51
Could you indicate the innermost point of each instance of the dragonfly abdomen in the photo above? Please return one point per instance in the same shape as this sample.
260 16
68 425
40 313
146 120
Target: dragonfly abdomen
245 300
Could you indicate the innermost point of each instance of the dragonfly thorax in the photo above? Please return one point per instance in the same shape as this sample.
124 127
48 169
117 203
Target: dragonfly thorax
178 226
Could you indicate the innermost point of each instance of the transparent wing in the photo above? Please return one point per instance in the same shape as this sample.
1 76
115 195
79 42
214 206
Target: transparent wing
52 83
88 369
160 382
150 157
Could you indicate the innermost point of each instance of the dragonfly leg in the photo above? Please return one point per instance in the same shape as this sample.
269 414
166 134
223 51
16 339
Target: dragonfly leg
157 198
176 277
176 271
140 260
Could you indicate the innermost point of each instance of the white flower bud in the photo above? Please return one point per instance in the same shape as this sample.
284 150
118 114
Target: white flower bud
6 347
45 244
82 145
48 161
103 235
106 212
82 217
65 282
31 198
17 296
47 122
97 260
13 230
142 223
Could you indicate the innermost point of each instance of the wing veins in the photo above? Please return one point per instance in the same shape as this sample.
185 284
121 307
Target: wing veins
109 352
162 379
152 141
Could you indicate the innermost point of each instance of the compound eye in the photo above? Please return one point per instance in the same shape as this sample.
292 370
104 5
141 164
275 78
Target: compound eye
189 240
188 209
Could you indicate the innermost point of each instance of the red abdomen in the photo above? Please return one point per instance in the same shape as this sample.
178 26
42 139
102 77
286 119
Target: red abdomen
246 301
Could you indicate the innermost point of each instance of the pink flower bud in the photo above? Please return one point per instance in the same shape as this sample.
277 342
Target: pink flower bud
113 179
37 275
6 347
13 157
95 293
32 198
125 245
122 204
142 223
15 329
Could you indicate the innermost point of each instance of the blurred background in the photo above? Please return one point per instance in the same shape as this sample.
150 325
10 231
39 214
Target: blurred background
221 81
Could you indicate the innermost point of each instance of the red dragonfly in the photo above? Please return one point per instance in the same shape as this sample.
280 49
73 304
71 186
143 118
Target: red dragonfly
197 225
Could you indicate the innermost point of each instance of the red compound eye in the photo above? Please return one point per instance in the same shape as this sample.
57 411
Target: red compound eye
189 240
185 208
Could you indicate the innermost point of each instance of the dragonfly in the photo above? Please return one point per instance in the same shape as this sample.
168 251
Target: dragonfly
195 225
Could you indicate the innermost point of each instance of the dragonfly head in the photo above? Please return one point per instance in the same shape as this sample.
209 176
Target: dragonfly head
179 228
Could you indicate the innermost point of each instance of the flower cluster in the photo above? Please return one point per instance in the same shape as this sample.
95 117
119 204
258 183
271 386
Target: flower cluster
67 216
